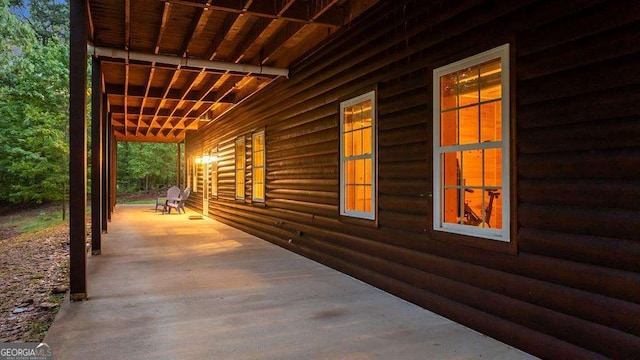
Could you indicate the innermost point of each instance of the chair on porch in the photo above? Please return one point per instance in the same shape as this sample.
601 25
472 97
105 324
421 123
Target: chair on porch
172 193
179 204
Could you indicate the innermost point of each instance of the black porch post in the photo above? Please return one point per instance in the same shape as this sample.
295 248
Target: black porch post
78 149
105 164
96 157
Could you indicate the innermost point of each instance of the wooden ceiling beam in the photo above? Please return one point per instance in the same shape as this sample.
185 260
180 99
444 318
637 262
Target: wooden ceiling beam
91 35
222 32
278 39
249 39
262 9
166 11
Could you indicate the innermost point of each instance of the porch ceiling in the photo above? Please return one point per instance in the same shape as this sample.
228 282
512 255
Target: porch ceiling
154 100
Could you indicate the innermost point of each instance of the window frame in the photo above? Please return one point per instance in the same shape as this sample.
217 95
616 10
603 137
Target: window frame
240 140
439 225
371 215
253 166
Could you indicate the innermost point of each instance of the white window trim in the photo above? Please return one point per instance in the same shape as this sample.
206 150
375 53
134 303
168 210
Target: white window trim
264 165
235 174
438 225
371 95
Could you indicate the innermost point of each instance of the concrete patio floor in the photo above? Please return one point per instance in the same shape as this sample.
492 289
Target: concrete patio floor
166 287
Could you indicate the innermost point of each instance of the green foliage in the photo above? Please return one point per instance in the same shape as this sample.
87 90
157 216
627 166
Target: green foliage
143 166
33 113
49 19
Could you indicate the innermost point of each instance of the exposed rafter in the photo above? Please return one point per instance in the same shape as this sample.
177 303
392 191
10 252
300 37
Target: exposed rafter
295 11
169 63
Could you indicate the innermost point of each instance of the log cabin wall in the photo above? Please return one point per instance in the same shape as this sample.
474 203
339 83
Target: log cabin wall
568 284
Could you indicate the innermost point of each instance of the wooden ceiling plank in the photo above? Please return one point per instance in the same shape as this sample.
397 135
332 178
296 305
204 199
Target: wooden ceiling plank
170 83
166 11
263 11
222 32
254 33
145 96
276 41
90 22
285 7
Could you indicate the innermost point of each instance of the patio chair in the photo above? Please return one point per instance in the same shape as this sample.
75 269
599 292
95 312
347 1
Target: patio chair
172 193
179 204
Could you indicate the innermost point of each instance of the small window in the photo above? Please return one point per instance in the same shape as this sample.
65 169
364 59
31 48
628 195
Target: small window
257 168
240 168
214 171
358 157
471 146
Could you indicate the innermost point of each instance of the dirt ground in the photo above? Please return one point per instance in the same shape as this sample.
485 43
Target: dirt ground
34 273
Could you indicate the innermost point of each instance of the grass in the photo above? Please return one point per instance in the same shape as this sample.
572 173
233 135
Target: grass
42 221
29 221
140 202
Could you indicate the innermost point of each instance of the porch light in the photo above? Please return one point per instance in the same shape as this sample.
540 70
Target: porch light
198 160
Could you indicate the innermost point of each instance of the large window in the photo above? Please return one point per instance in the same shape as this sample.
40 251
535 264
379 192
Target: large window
240 168
471 146
257 166
357 157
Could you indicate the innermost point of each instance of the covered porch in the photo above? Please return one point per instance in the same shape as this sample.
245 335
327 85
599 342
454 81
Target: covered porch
169 287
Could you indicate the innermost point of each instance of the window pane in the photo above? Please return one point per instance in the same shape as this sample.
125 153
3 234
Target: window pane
350 197
490 80
449 128
366 141
469 125
451 208
365 113
493 167
350 172
448 92
493 213
368 169
348 144
367 198
258 142
348 118
451 169
360 171
491 121
472 203
468 86
471 168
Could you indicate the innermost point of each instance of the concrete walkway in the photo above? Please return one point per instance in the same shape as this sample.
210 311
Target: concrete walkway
166 287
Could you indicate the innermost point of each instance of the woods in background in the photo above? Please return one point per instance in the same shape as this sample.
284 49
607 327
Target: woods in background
34 110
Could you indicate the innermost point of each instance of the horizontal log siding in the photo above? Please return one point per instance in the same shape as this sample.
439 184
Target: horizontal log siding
573 288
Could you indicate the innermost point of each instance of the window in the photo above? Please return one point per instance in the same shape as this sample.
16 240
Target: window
357 157
257 158
214 171
471 146
194 165
240 166
188 172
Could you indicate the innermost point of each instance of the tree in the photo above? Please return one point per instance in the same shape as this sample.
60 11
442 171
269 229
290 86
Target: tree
143 166
49 19
33 113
